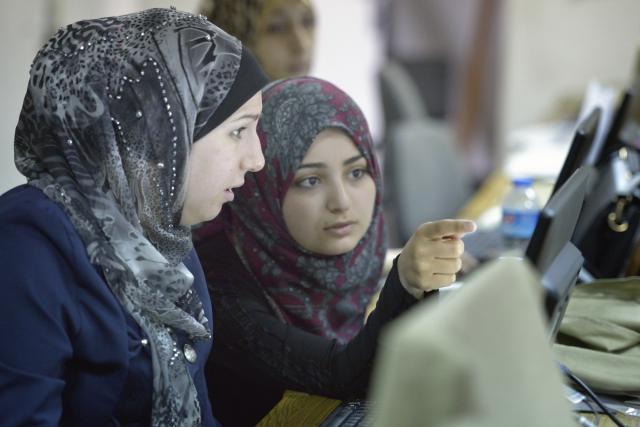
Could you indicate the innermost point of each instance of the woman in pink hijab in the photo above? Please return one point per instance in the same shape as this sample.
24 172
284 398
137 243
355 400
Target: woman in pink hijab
302 255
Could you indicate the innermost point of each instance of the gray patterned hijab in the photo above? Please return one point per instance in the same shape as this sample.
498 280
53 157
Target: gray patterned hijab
112 108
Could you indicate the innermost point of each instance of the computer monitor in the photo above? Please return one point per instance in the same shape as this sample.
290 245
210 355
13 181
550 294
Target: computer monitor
581 149
480 357
550 249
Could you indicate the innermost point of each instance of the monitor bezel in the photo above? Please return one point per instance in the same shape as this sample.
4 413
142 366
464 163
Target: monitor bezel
581 149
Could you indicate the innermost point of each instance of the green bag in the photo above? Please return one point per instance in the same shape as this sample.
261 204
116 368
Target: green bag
599 338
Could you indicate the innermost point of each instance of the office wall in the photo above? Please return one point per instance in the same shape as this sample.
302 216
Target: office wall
552 48
24 27
21 33
347 52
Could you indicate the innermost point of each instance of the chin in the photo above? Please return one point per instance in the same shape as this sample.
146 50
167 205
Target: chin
215 213
210 214
338 248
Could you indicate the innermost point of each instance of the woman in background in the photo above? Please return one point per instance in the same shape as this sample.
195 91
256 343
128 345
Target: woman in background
133 128
303 254
280 32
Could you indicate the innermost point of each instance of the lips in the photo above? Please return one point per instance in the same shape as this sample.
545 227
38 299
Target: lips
339 224
340 229
228 192
299 68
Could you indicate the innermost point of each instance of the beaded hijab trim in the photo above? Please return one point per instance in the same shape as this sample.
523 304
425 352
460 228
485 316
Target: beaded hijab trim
105 131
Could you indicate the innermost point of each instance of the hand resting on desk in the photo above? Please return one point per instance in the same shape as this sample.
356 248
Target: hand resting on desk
432 256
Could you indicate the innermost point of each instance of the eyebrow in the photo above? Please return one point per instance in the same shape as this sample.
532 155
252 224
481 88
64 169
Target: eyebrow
323 165
253 117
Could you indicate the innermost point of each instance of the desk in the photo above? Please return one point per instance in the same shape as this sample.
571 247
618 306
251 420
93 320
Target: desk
303 409
491 193
299 409
488 195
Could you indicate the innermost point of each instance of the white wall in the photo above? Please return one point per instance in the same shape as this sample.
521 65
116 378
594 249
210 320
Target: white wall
24 27
552 48
349 51
21 34
349 61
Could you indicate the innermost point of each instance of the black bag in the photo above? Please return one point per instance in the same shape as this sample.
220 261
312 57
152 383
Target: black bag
608 229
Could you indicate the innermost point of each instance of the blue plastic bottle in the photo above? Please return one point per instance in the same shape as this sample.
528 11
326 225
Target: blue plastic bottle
520 210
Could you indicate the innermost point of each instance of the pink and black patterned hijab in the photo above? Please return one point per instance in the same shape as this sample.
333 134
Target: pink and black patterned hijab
325 295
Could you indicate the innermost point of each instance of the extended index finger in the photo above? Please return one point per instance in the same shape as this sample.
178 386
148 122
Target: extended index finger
447 228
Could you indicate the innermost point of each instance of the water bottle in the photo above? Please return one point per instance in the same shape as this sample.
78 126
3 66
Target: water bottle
520 210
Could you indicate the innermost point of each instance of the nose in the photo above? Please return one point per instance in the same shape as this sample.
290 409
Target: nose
338 199
254 159
301 38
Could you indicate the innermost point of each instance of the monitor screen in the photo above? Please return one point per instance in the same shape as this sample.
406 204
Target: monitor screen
581 147
550 249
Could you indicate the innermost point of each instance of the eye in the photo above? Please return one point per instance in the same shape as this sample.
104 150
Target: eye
358 173
238 133
308 182
276 28
309 22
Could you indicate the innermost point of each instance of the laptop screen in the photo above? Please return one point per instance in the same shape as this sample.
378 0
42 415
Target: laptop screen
550 249
581 148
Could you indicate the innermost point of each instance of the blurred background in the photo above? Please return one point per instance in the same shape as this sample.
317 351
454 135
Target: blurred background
479 77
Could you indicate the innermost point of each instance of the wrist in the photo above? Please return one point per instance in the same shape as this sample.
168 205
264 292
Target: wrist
417 293
414 291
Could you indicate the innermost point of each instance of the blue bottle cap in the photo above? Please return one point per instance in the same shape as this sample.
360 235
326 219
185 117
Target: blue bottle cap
522 182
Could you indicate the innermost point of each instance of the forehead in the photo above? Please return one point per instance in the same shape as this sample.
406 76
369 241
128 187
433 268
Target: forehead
285 7
331 145
252 107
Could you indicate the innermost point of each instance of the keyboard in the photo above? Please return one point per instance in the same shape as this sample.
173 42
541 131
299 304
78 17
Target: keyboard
349 414
486 245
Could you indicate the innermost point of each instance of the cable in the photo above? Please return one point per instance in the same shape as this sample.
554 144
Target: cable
575 397
585 422
593 397
593 410
591 394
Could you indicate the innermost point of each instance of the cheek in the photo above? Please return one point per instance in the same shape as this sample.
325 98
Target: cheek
199 175
294 207
300 214
195 186
205 175
271 51
366 197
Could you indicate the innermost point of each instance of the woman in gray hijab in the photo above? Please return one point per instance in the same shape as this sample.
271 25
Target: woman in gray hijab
133 129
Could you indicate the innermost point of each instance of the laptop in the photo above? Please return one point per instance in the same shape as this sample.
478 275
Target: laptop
550 249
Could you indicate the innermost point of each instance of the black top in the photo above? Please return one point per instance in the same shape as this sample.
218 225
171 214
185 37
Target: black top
256 356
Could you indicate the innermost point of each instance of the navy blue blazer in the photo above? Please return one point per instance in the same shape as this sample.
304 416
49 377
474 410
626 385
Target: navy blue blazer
70 354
